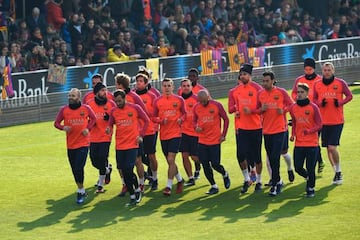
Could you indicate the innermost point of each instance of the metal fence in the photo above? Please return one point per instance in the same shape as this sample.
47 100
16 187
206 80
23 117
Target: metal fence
45 107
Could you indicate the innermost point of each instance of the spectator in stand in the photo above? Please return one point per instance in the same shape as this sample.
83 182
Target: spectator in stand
91 9
180 40
305 28
129 46
194 38
37 20
19 59
37 37
5 58
105 18
23 34
50 54
189 22
220 11
204 44
115 54
163 48
199 10
310 36
50 34
160 34
33 59
334 32
76 29
55 14
100 42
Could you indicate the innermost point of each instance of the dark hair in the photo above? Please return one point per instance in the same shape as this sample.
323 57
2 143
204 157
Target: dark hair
270 74
194 70
120 92
146 79
97 75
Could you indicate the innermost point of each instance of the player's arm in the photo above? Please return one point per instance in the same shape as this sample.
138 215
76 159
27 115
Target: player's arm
59 118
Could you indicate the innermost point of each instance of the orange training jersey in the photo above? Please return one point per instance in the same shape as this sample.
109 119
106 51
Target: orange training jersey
310 83
209 119
148 99
332 115
187 126
78 120
167 111
305 118
90 95
275 99
128 126
232 106
246 96
98 131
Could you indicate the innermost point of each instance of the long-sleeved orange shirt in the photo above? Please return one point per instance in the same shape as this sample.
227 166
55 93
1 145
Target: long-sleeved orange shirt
246 96
331 114
128 127
167 111
148 98
78 120
97 133
187 127
306 122
275 99
208 118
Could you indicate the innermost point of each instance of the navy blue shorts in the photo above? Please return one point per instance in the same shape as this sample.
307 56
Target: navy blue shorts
189 144
149 144
125 159
77 158
285 144
209 153
171 145
330 135
248 144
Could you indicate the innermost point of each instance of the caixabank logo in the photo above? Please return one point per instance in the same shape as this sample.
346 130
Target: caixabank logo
319 50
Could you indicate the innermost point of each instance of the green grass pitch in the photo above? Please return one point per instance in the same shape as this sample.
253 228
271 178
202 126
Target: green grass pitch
38 196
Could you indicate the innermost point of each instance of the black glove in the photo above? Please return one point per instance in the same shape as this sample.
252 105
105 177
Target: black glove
290 122
106 116
336 102
323 102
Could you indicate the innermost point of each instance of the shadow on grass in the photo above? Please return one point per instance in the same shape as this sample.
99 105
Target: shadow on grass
232 206
59 209
113 211
294 207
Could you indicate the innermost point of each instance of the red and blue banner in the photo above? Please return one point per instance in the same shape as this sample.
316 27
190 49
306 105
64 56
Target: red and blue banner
211 61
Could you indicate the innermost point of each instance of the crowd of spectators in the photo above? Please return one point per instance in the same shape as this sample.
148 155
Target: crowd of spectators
82 32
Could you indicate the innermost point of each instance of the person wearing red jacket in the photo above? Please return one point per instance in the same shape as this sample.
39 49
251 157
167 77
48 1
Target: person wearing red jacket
122 81
99 140
169 112
76 120
189 137
306 122
248 127
208 115
310 78
329 96
149 143
274 103
131 123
